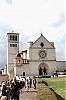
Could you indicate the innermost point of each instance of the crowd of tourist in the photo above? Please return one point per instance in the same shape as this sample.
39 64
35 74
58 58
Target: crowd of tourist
11 89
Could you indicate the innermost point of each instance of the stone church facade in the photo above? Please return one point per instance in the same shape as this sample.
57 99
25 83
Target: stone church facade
38 59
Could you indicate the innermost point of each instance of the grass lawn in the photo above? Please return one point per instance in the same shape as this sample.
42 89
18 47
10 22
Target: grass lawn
58 84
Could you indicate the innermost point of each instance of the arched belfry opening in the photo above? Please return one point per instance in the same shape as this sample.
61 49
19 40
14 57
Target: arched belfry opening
43 68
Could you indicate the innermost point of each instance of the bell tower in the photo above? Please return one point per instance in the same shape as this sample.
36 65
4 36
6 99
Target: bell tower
12 51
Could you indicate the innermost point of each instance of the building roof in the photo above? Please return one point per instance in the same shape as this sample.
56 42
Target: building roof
13 33
44 40
24 51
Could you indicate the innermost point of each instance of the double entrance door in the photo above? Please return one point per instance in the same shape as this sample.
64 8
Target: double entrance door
43 69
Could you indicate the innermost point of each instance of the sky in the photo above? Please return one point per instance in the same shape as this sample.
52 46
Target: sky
30 18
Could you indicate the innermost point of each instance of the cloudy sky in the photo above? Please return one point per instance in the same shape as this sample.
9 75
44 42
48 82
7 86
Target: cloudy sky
30 18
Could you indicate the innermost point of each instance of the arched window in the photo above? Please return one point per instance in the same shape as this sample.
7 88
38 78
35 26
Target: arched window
11 37
15 38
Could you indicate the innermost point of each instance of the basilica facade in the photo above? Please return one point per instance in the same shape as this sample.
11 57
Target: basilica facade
38 59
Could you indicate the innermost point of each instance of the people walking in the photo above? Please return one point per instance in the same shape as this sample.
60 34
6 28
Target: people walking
4 92
34 82
28 85
30 82
15 90
11 89
25 82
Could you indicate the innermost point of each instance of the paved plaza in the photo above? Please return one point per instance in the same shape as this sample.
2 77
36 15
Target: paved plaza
28 95
31 94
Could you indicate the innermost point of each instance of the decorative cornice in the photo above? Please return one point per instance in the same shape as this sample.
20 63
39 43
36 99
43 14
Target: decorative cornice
60 61
12 33
41 48
40 60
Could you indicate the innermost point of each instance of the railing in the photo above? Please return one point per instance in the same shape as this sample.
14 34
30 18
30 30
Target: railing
23 61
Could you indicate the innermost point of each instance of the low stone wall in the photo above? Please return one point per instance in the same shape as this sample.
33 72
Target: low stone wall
3 78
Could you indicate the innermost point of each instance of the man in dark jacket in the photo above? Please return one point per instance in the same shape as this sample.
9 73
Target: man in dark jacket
4 92
15 90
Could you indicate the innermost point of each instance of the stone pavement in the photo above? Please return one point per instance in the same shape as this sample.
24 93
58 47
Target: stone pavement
31 94
28 95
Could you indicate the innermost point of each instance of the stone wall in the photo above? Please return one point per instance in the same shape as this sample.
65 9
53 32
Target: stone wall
61 65
3 78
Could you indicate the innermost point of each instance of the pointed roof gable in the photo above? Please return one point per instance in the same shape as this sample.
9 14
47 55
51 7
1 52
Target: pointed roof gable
43 40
